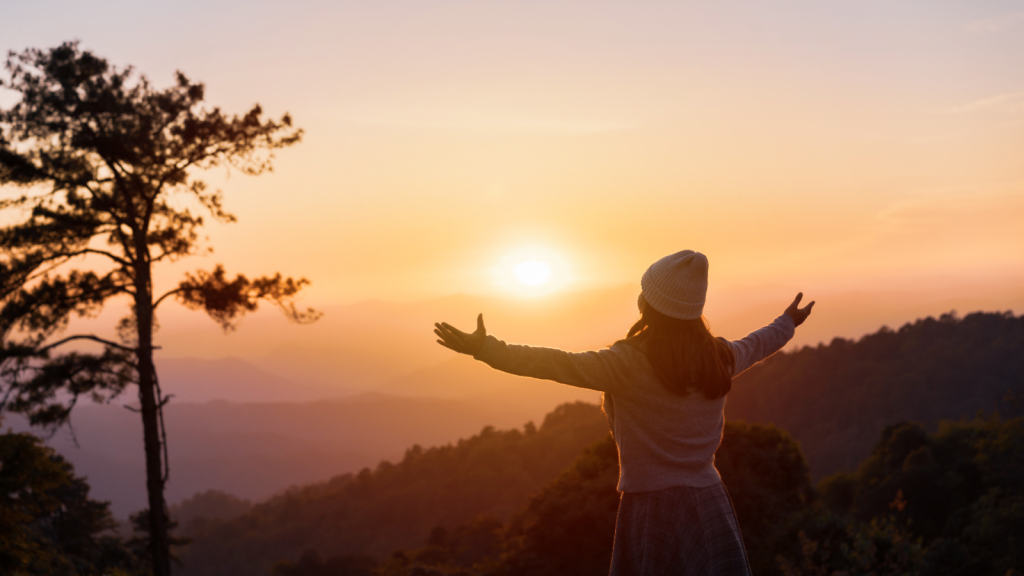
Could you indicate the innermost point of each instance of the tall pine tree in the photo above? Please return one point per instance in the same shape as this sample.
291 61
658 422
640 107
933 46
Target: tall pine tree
98 175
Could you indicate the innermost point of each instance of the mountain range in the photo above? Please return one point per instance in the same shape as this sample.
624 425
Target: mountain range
295 404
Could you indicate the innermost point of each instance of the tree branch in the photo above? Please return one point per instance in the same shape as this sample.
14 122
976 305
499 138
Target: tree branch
110 255
86 337
170 293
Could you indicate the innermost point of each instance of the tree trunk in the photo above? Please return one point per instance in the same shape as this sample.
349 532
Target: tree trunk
159 544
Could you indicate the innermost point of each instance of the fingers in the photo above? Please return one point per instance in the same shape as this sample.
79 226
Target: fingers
458 337
446 334
442 343
452 338
459 341
797 313
452 329
449 334
450 344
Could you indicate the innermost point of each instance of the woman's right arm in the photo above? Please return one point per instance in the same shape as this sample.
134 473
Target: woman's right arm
594 370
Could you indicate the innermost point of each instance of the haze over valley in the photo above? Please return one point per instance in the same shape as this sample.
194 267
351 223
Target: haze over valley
272 404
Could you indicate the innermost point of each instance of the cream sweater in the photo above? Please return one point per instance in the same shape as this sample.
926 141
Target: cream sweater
664 439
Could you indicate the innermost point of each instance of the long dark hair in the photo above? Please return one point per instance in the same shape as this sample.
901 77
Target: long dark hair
683 353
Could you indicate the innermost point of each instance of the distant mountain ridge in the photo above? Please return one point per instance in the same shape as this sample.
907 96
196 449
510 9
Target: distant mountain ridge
836 399
254 450
395 505
198 380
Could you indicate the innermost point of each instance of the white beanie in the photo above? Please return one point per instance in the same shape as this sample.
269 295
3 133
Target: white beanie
677 285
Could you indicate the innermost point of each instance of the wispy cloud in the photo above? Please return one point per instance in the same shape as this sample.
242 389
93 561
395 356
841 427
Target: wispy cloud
997 24
1009 101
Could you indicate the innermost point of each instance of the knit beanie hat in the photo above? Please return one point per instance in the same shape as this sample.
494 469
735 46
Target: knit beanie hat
677 285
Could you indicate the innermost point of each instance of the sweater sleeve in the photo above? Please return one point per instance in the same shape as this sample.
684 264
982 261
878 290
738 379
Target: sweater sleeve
596 370
761 343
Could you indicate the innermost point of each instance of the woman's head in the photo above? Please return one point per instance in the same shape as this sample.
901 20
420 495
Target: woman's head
676 338
677 285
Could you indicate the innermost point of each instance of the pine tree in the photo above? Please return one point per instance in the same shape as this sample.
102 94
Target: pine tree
104 168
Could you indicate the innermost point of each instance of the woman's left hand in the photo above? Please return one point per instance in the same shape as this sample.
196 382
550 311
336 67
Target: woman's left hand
455 339
799 314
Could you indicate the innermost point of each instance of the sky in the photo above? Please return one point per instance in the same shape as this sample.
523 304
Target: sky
869 153
809 145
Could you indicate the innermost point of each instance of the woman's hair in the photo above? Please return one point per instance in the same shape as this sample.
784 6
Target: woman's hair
683 353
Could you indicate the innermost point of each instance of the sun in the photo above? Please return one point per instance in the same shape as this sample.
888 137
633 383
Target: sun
532 272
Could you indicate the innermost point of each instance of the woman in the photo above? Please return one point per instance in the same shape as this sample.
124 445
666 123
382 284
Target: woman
664 393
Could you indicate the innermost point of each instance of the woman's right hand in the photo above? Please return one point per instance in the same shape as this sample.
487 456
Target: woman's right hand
455 339
799 314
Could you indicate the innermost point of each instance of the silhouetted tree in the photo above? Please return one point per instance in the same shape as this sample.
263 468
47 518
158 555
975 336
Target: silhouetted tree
48 523
830 544
958 492
106 166
769 483
568 527
310 564
194 515
139 541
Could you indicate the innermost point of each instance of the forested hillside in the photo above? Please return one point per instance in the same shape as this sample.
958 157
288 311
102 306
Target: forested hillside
492 505
943 504
836 399
396 505
566 529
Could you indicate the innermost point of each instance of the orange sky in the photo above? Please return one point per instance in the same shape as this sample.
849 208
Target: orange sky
799 144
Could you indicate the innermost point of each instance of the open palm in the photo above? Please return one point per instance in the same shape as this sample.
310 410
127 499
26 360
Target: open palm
452 338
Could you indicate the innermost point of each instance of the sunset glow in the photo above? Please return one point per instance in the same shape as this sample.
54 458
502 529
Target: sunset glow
423 178
532 272
854 146
810 146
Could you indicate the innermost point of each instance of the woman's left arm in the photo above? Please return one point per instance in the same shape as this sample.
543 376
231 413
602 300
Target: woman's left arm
762 343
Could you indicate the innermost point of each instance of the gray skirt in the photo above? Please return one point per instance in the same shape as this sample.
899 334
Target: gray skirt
680 531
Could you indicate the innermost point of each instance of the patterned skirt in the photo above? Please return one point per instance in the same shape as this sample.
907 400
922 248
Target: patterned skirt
680 531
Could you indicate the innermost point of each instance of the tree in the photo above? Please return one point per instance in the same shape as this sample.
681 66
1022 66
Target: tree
106 167
569 525
769 483
48 524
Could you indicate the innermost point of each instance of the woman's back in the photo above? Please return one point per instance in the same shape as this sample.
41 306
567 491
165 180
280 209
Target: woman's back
665 439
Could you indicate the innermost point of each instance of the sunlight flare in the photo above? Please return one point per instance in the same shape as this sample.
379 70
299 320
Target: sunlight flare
532 272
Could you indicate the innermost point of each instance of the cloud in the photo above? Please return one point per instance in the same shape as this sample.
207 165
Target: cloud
997 24
1009 101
